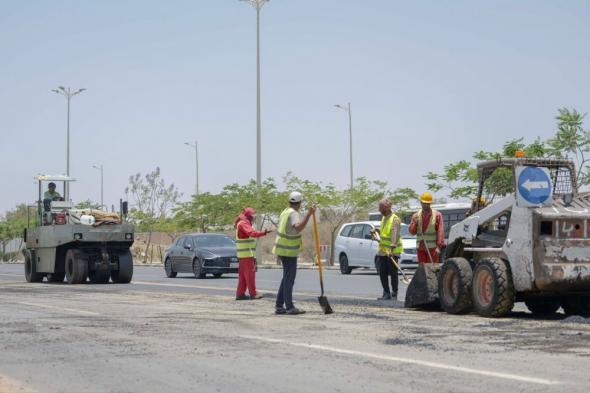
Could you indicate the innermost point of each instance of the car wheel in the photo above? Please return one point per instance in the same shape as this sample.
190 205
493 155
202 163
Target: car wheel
31 274
454 286
344 268
198 270
492 290
168 268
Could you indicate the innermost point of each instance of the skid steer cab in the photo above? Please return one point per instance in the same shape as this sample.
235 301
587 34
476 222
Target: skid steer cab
75 244
531 245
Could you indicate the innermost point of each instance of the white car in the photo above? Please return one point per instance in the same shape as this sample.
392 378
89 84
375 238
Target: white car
355 248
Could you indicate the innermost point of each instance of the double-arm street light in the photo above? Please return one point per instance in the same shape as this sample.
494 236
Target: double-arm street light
258 4
196 147
101 185
68 93
347 109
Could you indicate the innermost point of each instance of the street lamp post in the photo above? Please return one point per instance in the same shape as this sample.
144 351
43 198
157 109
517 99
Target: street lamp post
347 109
100 168
68 93
196 147
257 4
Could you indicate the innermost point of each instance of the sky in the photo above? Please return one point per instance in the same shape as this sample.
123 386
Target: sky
429 82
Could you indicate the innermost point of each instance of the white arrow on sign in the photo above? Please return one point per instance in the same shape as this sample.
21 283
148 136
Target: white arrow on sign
535 185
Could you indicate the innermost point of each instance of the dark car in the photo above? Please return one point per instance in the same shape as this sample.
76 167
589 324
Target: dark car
201 254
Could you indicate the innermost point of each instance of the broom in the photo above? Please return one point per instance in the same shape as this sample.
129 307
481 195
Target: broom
323 300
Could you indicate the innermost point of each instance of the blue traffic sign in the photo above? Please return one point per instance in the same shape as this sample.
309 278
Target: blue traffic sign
534 185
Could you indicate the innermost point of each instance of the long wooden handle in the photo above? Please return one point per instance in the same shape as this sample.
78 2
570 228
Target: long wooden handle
316 238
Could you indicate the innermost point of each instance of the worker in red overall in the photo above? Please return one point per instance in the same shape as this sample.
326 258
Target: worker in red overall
428 226
246 250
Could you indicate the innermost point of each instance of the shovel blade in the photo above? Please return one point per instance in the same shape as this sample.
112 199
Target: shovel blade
325 305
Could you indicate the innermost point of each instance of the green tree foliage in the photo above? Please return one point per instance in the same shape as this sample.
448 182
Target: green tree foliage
338 206
460 179
153 200
88 204
216 212
572 141
13 225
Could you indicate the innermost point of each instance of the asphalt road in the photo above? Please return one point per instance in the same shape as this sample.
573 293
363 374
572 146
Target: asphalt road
186 335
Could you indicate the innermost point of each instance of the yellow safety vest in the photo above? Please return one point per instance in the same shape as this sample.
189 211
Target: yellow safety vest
430 235
246 248
385 244
286 245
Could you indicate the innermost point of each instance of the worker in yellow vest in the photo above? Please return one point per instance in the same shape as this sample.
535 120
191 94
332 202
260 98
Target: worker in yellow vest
287 246
428 226
390 246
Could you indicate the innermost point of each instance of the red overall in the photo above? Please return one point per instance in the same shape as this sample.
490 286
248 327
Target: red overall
247 269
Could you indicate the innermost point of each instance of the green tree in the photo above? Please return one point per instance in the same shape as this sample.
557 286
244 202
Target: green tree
88 204
338 206
572 141
153 200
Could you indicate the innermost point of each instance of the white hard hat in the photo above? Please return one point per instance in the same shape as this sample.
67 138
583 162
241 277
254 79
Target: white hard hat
295 197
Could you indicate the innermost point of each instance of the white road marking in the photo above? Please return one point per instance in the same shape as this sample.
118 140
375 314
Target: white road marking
163 284
12 275
423 363
59 308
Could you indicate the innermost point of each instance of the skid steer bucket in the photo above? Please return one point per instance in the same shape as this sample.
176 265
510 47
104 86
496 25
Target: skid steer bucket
422 291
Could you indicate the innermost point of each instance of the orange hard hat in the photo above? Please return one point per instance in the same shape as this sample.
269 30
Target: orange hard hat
426 197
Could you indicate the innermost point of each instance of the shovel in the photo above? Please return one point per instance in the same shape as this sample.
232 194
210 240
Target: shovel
405 279
323 300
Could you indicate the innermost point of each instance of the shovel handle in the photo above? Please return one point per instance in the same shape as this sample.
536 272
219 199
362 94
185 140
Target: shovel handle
404 279
316 238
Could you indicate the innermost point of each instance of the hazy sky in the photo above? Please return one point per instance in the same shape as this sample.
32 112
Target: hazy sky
429 81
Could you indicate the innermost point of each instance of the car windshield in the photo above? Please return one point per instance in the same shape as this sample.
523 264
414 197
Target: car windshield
214 241
405 231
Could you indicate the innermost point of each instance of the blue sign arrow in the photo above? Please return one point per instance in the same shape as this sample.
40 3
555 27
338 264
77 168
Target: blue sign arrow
534 185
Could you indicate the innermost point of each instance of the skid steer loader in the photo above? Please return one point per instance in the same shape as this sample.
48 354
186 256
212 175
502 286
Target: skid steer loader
532 245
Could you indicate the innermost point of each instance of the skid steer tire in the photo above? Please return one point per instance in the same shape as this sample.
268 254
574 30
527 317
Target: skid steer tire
56 277
31 274
76 267
543 306
125 272
99 276
576 305
492 290
454 286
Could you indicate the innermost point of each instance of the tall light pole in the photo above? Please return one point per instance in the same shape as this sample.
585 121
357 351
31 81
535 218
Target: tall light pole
68 93
101 184
347 109
196 147
258 4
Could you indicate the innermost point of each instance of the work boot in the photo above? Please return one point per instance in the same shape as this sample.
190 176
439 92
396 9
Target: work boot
257 296
295 311
386 296
242 297
280 310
